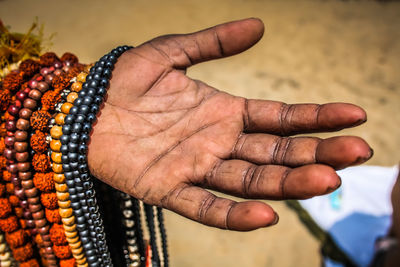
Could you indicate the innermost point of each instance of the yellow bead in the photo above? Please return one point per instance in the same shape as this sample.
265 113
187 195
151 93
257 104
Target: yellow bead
62 196
71 234
79 250
60 118
80 259
56 157
57 168
59 178
76 246
68 221
56 131
55 145
81 77
66 213
61 187
70 228
64 204
66 107
72 96
76 86
73 239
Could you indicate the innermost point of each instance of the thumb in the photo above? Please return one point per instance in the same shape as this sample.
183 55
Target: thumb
185 50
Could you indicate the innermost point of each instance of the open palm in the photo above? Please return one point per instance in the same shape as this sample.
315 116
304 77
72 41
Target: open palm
163 137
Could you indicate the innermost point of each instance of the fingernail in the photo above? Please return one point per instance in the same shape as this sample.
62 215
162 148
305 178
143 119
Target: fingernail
276 220
360 121
371 153
337 185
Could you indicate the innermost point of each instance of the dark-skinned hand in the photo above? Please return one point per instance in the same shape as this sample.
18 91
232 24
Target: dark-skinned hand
165 138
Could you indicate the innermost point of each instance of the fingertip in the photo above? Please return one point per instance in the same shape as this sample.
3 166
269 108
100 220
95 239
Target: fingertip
238 36
335 116
343 151
251 215
310 180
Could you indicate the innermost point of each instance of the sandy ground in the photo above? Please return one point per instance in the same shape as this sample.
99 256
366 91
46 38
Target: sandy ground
313 51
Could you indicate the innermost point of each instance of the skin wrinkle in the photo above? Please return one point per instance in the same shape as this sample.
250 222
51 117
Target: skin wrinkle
237 147
285 149
212 173
317 112
247 179
282 183
177 190
231 206
161 51
219 43
184 52
205 206
163 154
246 116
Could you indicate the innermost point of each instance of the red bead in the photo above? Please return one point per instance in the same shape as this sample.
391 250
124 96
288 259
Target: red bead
21 95
33 84
13 110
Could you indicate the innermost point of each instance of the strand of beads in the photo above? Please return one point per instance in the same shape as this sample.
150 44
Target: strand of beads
6 259
163 236
65 210
16 236
31 179
131 221
149 211
45 181
76 129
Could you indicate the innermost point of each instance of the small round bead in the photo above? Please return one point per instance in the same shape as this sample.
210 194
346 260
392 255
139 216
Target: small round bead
69 220
64 204
55 145
81 77
27 184
57 168
21 146
72 97
22 156
56 132
59 177
25 113
62 196
30 103
32 192
22 125
35 94
10 125
21 136
66 129
60 118
56 157
38 215
25 175
23 166
74 110
43 86
65 108
66 213
34 200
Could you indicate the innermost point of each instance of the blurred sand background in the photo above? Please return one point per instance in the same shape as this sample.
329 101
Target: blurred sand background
312 51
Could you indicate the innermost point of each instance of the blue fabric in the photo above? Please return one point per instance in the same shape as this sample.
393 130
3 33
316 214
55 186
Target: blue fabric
330 263
356 235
